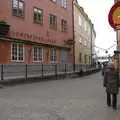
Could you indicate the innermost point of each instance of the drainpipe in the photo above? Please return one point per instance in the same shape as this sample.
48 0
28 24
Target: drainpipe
91 42
73 36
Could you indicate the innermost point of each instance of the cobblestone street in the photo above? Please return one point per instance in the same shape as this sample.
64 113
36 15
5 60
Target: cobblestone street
68 99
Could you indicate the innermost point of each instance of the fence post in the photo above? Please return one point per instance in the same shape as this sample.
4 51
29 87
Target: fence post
2 72
42 70
26 71
65 68
56 70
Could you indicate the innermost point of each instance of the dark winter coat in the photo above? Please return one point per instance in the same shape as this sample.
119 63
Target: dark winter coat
111 81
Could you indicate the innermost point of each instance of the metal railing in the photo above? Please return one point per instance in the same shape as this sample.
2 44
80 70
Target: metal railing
25 71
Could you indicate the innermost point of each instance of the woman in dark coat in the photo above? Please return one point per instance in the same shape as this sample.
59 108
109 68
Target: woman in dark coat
111 82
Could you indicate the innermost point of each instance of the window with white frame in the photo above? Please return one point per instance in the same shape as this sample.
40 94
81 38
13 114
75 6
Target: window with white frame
64 26
18 7
38 15
53 21
38 54
17 51
53 56
64 3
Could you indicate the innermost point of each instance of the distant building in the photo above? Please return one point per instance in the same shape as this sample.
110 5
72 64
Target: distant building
41 31
84 36
116 1
93 37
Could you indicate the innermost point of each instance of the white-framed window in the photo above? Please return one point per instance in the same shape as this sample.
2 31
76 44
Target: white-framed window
17 52
38 15
53 56
64 3
64 26
38 54
80 20
18 7
53 21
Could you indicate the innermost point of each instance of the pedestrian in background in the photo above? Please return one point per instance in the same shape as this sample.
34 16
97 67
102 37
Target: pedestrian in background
104 67
111 83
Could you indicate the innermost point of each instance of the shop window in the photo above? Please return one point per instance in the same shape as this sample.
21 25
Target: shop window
38 54
17 52
53 56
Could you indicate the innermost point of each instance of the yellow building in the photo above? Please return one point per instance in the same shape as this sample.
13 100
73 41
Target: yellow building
84 36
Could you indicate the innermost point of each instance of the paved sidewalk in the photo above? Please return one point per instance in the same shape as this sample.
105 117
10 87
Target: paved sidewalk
68 99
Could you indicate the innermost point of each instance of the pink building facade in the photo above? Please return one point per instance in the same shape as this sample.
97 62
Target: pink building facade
40 31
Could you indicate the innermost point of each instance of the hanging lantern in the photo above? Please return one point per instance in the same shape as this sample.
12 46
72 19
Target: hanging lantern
106 51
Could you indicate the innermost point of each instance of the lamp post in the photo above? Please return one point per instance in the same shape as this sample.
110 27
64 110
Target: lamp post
117 52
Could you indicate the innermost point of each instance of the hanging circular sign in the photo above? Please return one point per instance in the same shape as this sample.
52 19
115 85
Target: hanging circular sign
114 16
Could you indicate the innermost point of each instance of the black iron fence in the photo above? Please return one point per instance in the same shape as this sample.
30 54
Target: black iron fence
25 71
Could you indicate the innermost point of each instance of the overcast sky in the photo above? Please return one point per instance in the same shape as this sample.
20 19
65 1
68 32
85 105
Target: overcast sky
97 11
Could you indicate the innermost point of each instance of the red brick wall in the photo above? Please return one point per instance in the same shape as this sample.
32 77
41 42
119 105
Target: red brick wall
4 52
27 25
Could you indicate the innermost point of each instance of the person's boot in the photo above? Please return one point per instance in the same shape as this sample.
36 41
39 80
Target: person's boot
108 100
1 86
114 104
115 107
109 104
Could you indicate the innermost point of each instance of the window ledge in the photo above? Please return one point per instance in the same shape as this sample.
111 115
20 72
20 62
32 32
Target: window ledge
21 17
64 31
55 29
20 61
35 22
65 8
37 61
